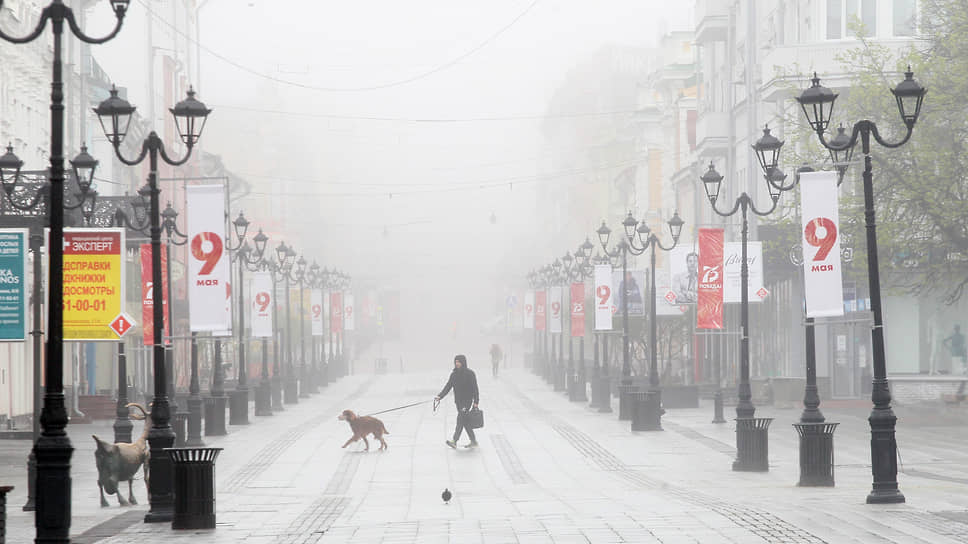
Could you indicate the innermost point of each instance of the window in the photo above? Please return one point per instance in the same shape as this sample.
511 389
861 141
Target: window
842 15
905 17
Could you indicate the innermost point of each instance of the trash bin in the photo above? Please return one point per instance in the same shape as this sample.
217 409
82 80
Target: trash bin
193 484
752 444
639 400
816 453
3 511
625 400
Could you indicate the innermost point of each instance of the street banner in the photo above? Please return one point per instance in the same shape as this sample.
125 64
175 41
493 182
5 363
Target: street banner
540 317
733 266
147 296
529 310
631 286
336 309
316 312
554 304
822 280
684 270
349 319
665 295
709 310
577 309
208 266
93 282
262 301
13 285
603 297
328 317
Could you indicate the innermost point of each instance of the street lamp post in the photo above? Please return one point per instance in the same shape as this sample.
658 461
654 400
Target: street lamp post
577 269
287 256
817 103
275 383
626 389
239 406
314 280
751 437
115 115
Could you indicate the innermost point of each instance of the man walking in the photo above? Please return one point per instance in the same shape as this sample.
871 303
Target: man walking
496 356
464 383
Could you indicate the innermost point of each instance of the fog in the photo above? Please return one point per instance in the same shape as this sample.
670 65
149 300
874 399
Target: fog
406 143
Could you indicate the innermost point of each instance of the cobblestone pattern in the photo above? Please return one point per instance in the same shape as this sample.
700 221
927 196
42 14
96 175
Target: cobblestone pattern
763 524
713 444
271 452
953 525
509 459
311 525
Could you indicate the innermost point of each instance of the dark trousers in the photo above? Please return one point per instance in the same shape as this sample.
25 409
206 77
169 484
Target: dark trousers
460 425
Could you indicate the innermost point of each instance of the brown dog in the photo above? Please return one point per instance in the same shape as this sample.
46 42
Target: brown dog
363 426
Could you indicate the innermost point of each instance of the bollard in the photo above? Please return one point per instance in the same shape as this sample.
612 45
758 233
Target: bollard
604 395
193 485
179 424
816 453
215 416
3 511
752 444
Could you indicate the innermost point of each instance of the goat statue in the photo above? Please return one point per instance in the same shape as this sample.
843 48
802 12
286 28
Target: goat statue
120 461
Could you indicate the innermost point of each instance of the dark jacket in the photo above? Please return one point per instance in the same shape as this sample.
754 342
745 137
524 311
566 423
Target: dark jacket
464 383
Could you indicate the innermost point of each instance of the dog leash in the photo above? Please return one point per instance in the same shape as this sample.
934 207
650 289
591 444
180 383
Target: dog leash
399 408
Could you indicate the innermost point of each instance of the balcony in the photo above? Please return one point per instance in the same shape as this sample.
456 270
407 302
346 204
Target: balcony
712 21
712 134
786 69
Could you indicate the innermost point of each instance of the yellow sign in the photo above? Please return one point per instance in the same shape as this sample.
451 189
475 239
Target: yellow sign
93 282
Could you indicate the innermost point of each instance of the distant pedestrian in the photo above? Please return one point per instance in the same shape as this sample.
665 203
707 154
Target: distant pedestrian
956 343
496 356
466 395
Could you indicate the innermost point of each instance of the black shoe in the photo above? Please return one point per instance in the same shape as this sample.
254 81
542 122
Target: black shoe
452 443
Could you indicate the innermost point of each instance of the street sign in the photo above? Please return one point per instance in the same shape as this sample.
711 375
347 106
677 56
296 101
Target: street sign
762 292
121 324
13 285
93 282
671 297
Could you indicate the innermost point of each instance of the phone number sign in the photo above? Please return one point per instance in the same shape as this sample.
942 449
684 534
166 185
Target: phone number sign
93 282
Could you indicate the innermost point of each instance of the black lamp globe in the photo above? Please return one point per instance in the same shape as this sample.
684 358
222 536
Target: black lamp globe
190 116
767 150
603 234
909 95
115 114
10 165
711 182
241 225
629 223
817 102
675 226
83 166
260 240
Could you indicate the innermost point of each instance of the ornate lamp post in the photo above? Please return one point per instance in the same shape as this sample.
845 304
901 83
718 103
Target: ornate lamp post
287 257
275 383
624 247
751 432
36 198
52 448
818 102
300 278
653 402
314 279
190 115
239 407
577 269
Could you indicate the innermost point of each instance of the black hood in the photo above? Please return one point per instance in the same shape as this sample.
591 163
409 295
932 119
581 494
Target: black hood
462 359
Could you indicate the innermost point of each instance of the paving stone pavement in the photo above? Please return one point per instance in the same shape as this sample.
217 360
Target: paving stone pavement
547 471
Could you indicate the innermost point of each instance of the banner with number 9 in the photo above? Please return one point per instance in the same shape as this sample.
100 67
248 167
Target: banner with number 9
820 238
260 316
208 264
316 312
603 297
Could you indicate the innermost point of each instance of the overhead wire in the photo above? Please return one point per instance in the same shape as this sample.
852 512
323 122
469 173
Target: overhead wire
386 85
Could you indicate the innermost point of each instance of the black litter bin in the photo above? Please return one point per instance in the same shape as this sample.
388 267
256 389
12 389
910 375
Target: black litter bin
625 403
816 453
193 479
752 444
3 511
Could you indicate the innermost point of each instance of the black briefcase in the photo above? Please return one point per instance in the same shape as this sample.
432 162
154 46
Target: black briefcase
473 418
